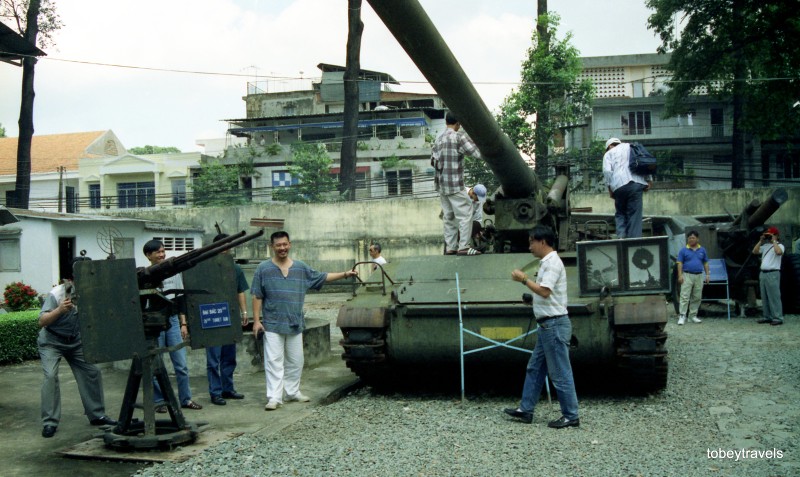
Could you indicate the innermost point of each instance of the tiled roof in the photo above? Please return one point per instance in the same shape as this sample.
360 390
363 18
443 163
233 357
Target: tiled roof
48 152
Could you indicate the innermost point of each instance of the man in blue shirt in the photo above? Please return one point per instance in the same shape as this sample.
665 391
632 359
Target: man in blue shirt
692 263
279 292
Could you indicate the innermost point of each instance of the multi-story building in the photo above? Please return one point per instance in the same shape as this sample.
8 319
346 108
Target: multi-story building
395 133
629 105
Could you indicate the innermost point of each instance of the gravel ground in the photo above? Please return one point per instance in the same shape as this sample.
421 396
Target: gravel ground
733 387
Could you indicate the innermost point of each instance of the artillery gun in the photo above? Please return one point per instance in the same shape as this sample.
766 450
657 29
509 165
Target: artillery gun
122 311
616 287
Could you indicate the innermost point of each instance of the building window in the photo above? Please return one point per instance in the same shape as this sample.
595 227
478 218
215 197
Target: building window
179 192
177 244
131 195
9 255
283 179
399 182
638 123
72 200
94 196
788 166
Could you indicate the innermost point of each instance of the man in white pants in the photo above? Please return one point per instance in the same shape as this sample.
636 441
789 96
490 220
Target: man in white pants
279 291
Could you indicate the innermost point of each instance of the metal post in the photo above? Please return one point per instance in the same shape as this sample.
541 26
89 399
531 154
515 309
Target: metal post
460 336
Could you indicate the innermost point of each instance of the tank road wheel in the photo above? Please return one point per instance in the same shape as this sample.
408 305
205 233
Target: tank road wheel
640 344
790 283
365 353
641 356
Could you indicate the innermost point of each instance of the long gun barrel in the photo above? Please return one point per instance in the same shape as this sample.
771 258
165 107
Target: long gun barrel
152 276
415 32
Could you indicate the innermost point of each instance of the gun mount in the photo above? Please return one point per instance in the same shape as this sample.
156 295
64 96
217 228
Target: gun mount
122 311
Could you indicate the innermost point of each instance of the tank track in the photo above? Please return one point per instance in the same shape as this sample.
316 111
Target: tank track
365 353
641 356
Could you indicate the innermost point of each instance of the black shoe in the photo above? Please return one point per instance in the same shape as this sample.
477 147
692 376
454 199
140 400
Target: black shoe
232 395
776 322
103 421
48 431
526 417
764 320
218 400
564 422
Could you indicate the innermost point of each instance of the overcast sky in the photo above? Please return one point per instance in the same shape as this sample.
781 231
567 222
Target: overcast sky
277 40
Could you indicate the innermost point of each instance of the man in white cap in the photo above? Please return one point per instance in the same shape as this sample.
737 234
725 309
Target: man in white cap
625 187
478 195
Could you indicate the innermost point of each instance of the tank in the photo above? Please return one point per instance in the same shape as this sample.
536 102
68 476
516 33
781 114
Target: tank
404 319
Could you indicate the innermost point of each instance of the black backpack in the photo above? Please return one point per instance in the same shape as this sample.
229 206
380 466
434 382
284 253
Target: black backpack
641 162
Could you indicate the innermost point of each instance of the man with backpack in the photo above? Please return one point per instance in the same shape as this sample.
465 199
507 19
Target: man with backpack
625 187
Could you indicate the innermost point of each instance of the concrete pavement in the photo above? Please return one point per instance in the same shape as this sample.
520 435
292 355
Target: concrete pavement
25 452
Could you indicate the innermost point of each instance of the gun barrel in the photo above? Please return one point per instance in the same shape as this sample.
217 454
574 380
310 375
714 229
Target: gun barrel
415 32
152 276
769 207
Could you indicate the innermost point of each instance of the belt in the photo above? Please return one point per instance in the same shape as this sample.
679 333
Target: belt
63 338
769 271
547 318
692 273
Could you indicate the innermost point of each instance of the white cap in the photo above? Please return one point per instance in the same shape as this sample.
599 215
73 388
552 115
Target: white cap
480 192
611 141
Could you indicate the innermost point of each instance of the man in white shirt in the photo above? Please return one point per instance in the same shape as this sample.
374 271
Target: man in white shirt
625 187
375 255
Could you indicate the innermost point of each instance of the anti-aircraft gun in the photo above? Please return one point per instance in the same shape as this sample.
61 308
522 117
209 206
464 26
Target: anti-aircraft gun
732 240
122 311
618 313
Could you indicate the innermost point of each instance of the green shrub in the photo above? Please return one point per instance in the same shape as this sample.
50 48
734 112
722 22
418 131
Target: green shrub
19 296
18 333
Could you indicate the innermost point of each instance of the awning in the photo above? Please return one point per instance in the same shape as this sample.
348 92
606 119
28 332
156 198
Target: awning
366 123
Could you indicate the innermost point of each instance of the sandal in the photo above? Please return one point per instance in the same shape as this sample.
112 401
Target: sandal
468 251
162 409
450 252
192 405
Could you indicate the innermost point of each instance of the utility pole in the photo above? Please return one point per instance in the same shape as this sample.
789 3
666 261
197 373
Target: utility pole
60 188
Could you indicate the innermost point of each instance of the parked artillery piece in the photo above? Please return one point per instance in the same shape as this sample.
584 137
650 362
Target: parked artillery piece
616 287
122 311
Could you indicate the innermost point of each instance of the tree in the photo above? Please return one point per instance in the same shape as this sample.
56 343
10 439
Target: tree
476 171
743 51
311 166
36 21
2 131
154 150
349 157
216 185
549 91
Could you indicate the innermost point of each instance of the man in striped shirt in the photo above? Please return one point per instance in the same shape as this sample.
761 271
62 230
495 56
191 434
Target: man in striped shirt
279 292
447 159
551 354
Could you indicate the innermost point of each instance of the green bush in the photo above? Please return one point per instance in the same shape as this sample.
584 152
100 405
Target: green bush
18 333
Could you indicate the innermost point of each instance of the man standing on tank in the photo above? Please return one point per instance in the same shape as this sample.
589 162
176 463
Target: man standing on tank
625 187
447 159
551 354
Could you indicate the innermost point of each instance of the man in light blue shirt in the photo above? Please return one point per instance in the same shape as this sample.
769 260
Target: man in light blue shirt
625 187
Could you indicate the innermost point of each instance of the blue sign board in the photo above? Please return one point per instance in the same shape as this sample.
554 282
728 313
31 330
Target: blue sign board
214 315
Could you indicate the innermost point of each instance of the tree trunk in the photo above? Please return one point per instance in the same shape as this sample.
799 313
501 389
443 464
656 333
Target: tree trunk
739 75
23 185
347 185
541 138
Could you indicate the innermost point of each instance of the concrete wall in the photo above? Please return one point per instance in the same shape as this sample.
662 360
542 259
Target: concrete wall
331 237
